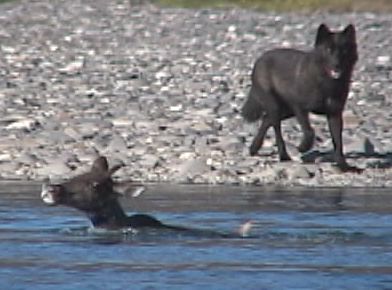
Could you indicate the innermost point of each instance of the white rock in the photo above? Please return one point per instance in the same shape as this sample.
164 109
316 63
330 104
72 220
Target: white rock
27 124
187 155
73 67
383 60
176 108
122 122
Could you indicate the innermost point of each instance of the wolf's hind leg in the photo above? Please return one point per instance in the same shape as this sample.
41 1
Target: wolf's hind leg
257 142
308 132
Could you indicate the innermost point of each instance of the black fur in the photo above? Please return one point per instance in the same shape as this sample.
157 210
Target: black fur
290 82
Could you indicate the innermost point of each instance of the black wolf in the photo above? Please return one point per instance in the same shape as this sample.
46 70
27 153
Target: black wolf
93 193
290 82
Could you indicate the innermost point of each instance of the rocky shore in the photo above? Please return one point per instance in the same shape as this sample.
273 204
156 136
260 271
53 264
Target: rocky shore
160 89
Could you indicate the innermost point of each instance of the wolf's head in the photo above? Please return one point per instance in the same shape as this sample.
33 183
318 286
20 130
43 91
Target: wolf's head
338 50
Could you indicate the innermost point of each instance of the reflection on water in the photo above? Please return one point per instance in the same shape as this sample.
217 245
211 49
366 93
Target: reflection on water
301 239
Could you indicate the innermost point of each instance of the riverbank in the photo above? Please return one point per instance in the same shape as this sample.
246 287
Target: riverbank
286 5
159 89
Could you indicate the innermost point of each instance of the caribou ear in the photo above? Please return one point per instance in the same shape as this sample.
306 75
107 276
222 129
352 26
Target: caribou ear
100 165
115 168
350 32
323 34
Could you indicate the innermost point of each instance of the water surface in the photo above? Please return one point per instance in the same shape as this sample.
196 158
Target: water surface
302 239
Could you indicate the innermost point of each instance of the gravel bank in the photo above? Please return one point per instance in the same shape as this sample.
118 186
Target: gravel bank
160 89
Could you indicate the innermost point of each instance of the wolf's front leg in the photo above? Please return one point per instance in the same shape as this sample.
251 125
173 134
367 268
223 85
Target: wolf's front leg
335 123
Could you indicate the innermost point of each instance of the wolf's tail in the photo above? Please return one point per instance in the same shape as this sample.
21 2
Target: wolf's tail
252 110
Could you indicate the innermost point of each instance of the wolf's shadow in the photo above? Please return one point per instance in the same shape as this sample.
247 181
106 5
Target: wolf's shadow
377 160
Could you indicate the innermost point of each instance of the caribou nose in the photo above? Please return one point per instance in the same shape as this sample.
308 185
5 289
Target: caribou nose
47 194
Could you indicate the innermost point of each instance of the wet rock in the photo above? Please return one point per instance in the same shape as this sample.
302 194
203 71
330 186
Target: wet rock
265 175
298 171
187 170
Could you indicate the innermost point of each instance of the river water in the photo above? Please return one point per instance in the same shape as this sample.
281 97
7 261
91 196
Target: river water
301 239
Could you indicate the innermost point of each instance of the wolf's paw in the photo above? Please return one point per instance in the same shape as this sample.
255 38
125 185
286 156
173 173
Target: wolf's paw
284 157
253 150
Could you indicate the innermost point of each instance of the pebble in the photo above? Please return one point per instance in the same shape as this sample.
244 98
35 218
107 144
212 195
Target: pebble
160 90
55 169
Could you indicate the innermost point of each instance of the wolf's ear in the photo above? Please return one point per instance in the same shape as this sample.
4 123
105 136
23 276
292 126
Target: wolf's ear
323 33
100 165
349 31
